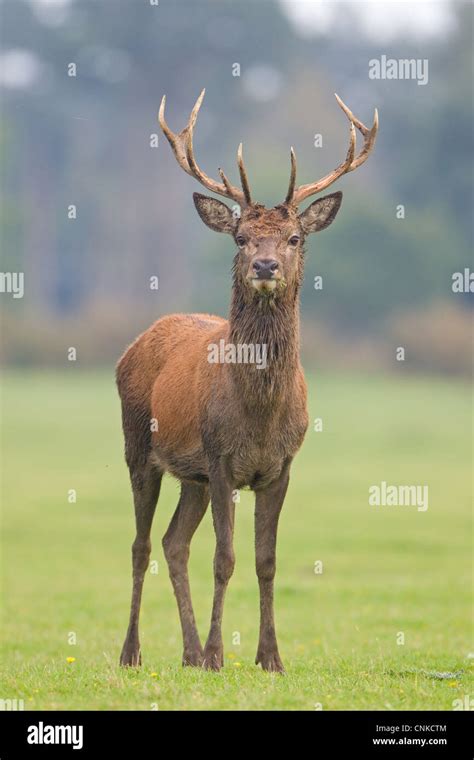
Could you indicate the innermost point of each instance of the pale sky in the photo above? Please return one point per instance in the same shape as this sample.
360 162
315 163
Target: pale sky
379 20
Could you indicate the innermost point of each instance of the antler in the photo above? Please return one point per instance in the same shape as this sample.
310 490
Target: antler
351 162
182 145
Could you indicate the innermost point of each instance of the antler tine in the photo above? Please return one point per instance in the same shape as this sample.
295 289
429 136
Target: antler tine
194 113
352 145
291 186
351 116
351 161
177 141
225 180
243 176
369 134
182 146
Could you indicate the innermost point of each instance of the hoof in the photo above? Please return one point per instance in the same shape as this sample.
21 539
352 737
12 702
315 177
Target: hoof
193 658
213 659
270 661
131 657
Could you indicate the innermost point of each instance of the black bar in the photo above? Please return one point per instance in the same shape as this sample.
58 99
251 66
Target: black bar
374 734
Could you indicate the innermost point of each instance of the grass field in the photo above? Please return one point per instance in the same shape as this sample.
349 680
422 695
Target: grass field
386 570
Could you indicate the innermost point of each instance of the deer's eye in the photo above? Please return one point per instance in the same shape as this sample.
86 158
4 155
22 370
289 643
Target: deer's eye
240 241
294 240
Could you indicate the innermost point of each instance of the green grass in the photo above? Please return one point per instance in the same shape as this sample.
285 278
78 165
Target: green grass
66 567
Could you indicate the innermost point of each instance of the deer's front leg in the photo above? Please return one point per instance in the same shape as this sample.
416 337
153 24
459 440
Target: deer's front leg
223 510
268 504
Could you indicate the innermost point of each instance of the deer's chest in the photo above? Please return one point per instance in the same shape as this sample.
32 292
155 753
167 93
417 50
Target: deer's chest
256 447
255 469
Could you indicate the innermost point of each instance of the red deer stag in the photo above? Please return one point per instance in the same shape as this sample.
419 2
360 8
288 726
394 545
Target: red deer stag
225 424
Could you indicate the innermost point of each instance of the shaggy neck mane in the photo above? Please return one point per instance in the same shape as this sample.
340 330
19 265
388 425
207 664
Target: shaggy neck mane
270 322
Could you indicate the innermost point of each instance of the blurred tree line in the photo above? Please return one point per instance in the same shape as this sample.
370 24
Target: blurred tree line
85 140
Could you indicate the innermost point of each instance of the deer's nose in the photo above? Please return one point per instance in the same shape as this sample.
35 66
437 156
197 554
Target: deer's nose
265 268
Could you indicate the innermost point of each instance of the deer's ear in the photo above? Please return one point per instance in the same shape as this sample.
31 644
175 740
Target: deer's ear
321 213
215 214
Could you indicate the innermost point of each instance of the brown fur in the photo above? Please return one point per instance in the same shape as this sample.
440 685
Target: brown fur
221 426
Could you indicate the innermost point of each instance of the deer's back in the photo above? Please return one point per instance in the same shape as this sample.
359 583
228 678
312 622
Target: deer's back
171 337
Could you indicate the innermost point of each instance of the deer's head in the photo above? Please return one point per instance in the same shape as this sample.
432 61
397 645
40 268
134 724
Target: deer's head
270 242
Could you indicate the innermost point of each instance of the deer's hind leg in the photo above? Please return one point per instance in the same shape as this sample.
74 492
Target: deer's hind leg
191 508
